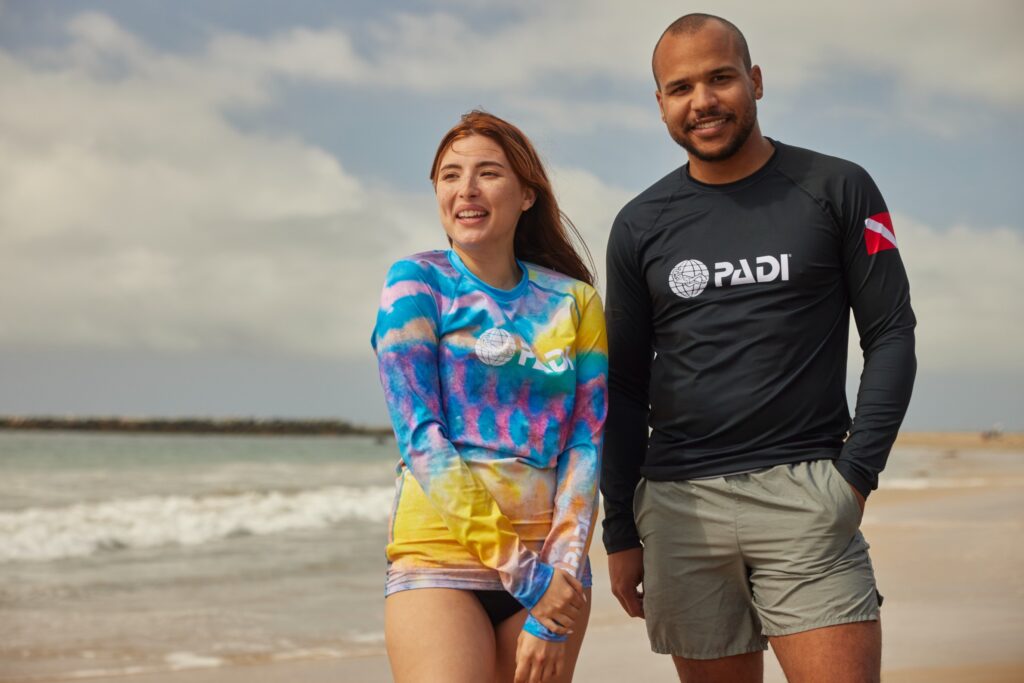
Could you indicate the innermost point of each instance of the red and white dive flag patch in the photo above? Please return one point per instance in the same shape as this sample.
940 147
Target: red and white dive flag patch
878 233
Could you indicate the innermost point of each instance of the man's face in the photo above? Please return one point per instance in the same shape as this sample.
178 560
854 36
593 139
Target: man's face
706 95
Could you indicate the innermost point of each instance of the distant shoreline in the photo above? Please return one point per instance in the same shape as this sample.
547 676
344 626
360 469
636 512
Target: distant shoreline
982 440
293 427
194 425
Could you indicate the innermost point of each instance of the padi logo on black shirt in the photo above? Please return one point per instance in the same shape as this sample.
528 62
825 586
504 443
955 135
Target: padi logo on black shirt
690 277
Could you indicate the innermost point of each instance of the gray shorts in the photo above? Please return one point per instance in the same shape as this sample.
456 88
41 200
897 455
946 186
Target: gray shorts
731 560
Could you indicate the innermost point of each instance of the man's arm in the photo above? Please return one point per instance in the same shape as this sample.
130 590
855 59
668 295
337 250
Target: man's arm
879 295
630 343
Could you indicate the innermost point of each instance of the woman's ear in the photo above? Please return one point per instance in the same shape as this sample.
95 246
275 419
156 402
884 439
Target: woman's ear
529 197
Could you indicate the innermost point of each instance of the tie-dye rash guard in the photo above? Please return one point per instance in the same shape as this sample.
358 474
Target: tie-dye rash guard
498 399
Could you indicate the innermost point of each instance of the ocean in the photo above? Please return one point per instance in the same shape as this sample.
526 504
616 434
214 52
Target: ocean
131 554
124 554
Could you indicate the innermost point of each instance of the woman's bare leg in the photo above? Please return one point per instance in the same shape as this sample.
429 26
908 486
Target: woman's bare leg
507 634
438 635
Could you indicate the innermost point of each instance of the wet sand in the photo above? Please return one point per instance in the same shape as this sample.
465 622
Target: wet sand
948 561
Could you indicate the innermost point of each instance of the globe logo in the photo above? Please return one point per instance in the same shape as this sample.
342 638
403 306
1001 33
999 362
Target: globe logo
688 278
495 347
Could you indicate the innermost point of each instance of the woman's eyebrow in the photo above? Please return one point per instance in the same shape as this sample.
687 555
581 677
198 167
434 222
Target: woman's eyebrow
477 165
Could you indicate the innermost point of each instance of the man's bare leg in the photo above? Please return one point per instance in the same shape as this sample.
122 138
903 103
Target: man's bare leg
745 668
848 653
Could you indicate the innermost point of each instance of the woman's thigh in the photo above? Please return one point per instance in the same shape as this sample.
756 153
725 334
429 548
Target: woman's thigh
507 634
438 635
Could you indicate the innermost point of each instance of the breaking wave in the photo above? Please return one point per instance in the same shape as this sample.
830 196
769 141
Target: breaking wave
40 534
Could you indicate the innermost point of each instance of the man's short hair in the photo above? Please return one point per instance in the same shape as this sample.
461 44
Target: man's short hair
691 23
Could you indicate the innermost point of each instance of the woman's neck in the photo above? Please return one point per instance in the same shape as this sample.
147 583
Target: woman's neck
499 270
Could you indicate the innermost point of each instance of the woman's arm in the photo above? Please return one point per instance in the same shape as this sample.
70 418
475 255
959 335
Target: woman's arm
406 340
578 468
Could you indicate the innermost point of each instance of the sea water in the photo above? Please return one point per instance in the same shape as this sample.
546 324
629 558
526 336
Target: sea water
126 554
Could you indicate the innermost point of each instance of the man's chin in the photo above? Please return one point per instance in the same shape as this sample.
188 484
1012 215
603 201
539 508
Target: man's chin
707 152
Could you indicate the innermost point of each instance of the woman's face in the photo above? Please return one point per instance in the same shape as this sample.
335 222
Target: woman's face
479 197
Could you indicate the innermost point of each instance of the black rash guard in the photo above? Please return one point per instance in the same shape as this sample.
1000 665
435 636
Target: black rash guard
728 314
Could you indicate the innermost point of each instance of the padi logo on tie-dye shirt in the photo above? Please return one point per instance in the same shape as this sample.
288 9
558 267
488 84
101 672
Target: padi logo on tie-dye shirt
497 347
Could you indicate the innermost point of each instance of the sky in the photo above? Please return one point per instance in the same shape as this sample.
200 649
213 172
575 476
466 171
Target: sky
199 200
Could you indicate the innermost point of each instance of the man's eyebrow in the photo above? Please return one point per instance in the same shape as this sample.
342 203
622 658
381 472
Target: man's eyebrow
713 72
482 163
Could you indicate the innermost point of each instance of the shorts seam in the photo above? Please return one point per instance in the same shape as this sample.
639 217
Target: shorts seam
870 616
759 646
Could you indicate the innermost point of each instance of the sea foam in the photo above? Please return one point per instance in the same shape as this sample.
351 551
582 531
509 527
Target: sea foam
40 534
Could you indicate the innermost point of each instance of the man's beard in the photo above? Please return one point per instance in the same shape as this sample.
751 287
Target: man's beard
744 125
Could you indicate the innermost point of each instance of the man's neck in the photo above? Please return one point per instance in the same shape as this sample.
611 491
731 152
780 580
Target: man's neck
747 160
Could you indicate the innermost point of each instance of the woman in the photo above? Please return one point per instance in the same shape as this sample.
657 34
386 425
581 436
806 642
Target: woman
494 364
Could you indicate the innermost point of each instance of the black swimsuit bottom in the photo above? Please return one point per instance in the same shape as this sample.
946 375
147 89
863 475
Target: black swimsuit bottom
499 605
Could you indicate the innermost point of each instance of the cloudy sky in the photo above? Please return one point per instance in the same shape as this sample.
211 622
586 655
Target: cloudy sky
199 200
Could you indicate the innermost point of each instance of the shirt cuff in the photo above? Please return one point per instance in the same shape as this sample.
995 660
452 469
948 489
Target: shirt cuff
535 628
531 593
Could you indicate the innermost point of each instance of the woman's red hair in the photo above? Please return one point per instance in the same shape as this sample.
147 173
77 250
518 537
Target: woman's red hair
543 232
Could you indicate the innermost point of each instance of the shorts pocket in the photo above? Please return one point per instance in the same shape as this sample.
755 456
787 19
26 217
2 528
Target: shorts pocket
638 506
845 495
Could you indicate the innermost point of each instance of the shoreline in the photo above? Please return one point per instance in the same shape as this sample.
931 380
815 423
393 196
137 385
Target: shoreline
271 426
194 425
984 440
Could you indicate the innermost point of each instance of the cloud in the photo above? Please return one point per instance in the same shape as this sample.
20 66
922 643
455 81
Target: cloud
965 289
943 48
591 205
325 55
533 57
134 215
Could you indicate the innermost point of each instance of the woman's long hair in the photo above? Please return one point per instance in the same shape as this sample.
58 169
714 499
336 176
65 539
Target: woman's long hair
544 235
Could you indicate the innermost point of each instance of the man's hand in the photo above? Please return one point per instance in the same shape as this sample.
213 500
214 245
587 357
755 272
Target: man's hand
626 571
537 660
561 603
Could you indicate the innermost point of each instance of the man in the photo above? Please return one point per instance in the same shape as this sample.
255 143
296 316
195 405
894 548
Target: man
733 476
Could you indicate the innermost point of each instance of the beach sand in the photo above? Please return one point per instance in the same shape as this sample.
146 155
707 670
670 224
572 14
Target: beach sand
948 561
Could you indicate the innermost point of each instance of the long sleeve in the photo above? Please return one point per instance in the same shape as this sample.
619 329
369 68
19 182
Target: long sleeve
630 352
578 466
879 295
406 340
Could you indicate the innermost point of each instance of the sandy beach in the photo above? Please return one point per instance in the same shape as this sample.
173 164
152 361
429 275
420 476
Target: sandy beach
948 559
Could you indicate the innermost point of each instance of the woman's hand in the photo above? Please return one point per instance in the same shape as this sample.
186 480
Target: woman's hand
537 660
561 603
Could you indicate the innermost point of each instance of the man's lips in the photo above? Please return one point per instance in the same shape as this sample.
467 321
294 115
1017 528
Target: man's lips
708 125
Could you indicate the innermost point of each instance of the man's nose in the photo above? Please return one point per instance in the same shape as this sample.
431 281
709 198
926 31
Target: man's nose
704 98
